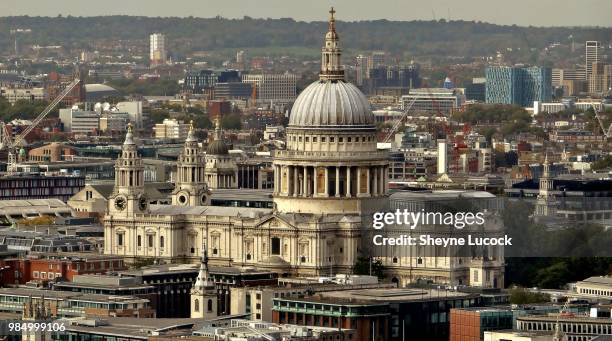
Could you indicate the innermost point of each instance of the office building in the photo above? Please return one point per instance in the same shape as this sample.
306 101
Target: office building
157 49
79 121
560 75
600 81
200 80
591 56
361 70
433 101
70 304
233 90
376 313
272 87
477 90
13 95
381 77
171 128
470 324
518 85
52 152
376 59
39 186
40 267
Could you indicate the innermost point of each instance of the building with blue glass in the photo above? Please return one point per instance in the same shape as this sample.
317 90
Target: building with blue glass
518 85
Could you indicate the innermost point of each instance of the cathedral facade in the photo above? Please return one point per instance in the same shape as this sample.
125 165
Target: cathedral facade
329 180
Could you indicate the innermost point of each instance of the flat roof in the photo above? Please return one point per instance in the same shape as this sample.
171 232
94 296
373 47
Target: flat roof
380 296
66 295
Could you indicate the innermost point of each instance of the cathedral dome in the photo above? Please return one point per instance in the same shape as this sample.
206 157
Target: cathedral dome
217 147
327 103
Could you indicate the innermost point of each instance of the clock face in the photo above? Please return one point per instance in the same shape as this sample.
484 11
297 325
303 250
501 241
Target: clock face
142 203
120 203
182 198
203 199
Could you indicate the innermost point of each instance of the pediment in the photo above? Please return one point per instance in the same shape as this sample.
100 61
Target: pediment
275 222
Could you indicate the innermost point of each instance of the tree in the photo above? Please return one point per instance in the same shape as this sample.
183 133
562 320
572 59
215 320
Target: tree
522 296
231 122
362 267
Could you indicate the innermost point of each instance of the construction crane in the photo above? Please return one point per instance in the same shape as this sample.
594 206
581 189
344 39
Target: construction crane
559 336
605 132
399 122
13 144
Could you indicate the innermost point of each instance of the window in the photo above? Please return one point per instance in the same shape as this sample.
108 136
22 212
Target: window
161 241
475 275
331 139
150 240
139 240
120 239
210 305
276 245
196 305
323 139
35 274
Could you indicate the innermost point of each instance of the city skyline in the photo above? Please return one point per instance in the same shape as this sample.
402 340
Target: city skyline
572 13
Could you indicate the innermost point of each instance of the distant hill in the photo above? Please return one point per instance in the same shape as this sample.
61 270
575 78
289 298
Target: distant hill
421 38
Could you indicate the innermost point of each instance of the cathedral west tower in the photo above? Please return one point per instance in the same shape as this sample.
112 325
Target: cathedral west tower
191 188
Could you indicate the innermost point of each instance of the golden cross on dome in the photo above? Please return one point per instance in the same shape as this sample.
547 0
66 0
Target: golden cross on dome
332 11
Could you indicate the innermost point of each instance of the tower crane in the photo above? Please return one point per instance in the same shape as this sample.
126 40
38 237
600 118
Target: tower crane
399 122
606 133
12 144
558 335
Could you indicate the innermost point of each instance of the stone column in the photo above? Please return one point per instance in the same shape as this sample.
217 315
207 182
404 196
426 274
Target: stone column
296 181
315 181
337 181
305 190
326 182
348 181
374 188
358 182
369 182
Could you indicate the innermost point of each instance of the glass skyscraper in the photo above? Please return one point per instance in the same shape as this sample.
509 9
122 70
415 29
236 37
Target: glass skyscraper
518 85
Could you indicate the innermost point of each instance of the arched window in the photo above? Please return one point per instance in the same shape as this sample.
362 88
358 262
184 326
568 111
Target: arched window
196 304
161 241
210 305
139 240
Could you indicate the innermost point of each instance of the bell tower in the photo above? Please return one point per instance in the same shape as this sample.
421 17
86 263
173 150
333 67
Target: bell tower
191 188
546 204
128 197
203 292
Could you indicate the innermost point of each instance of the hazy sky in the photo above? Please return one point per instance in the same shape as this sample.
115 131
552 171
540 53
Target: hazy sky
520 12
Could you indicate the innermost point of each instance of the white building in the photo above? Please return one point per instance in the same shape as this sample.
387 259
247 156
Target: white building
134 110
171 128
273 87
591 56
157 53
80 121
434 100
555 107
